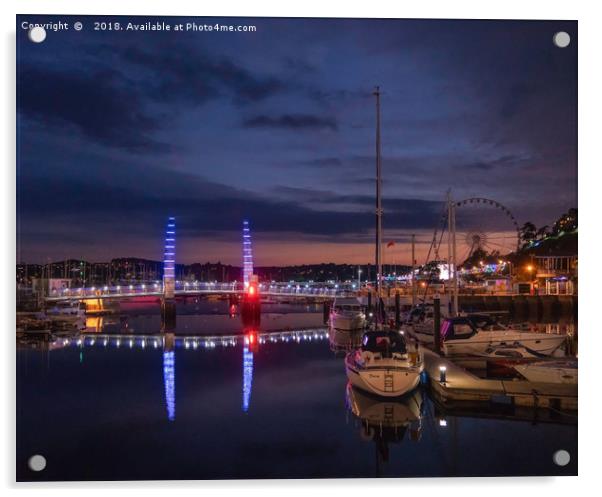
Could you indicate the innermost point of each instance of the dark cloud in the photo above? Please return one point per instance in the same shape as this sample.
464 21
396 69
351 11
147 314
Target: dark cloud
186 74
299 66
291 121
94 104
113 106
196 205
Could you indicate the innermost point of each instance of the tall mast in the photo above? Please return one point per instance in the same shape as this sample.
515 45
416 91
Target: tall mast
454 259
451 249
413 270
379 210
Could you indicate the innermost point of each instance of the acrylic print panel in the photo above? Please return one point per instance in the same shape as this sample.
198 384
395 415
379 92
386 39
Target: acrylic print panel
295 248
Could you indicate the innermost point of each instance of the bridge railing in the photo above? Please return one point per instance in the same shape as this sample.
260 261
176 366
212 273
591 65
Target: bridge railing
194 287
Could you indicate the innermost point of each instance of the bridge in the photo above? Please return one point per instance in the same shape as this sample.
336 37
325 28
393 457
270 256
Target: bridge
170 288
196 288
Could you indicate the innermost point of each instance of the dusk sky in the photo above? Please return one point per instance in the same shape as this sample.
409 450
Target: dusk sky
119 130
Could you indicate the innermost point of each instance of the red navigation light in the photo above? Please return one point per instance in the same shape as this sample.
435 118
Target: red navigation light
253 290
251 340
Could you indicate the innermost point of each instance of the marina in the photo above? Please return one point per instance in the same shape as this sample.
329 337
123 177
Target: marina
267 266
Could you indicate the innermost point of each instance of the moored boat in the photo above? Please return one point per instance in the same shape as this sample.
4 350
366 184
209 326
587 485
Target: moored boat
500 360
383 365
67 314
347 314
461 336
510 352
421 320
555 371
67 310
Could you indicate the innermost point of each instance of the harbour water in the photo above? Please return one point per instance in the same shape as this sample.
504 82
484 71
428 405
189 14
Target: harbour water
101 408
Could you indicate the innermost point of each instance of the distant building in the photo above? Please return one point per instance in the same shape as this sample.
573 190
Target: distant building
50 286
556 275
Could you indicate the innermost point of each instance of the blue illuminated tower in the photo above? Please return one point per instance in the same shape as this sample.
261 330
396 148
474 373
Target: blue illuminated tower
169 260
247 254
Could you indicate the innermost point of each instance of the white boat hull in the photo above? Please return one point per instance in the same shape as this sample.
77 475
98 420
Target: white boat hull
542 372
477 344
347 322
421 333
384 381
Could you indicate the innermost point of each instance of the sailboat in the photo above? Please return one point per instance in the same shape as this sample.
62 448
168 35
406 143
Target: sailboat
384 365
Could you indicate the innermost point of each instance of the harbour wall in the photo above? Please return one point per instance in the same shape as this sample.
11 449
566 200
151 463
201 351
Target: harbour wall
522 306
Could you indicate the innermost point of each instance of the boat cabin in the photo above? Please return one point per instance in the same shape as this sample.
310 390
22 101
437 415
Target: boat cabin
485 322
385 343
458 328
424 312
347 304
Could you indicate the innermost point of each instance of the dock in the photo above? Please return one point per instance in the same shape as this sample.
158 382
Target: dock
462 385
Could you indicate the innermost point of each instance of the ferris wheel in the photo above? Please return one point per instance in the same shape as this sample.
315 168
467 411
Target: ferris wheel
485 225
481 224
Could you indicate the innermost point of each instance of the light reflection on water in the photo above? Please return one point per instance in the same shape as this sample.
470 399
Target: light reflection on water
169 377
276 406
168 342
247 377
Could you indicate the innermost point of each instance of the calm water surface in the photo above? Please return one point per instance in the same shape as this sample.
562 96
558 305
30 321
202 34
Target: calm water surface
194 408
